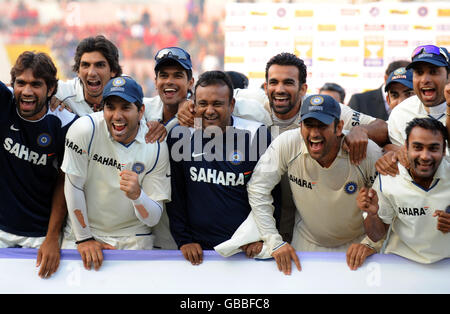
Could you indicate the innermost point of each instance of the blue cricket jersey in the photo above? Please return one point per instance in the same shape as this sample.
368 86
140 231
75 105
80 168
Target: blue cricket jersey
209 183
29 158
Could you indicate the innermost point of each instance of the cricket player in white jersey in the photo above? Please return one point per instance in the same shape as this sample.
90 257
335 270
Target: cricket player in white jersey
416 202
431 73
115 183
323 182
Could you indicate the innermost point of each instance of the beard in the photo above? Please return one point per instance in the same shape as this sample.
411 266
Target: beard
30 111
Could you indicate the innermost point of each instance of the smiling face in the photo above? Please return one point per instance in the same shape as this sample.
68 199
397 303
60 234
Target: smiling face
213 106
322 140
94 72
284 90
172 83
425 150
122 119
30 94
429 82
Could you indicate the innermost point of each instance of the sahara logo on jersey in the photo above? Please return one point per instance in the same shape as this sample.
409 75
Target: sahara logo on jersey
71 145
413 211
215 176
24 153
107 161
302 183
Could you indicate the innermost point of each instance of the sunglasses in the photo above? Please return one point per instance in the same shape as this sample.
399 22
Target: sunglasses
430 49
175 52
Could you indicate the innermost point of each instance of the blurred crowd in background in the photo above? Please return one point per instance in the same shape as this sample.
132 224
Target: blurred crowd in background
138 36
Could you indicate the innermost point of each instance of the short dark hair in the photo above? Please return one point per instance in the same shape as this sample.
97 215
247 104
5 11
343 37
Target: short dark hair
104 46
286 58
428 124
42 66
334 88
215 78
239 80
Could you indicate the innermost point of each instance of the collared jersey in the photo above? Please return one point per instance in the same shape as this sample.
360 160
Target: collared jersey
209 185
406 111
325 198
29 158
91 153
409 208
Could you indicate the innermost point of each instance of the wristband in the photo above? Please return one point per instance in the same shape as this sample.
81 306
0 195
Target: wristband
85 240
139 200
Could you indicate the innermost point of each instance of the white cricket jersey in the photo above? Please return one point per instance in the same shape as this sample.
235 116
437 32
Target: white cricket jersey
71 93
325 198
410 208
406 111
91 153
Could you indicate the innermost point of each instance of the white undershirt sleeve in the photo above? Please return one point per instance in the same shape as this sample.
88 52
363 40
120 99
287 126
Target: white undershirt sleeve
76 206
147 210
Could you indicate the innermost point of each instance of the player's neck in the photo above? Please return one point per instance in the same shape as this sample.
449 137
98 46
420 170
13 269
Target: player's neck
423 182
169 111
93 102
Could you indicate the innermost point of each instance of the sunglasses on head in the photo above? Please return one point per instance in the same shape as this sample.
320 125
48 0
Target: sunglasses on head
175 52
429 49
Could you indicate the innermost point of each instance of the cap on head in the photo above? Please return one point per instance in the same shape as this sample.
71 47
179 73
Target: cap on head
126 88
435 55
321 107
402 76
176 54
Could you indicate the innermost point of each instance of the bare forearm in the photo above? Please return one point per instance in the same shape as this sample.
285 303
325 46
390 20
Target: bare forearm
375 227
377 131
59 210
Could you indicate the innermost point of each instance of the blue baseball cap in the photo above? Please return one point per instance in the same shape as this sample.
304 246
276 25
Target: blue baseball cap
435 55
176 54
126 88
402 76
321 107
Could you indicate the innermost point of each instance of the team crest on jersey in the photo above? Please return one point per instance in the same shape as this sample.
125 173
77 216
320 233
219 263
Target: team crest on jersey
44 139
118 81
350 187
236 158
317 100
138 167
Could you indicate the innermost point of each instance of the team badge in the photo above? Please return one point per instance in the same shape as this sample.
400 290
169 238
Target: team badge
44 140
118 81
236 158
350 188
317 100
400 71
138 167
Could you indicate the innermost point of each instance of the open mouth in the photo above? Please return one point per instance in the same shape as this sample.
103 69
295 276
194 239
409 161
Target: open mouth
316 145
281 100
27 104
428 92
170 92
94 85
119 127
